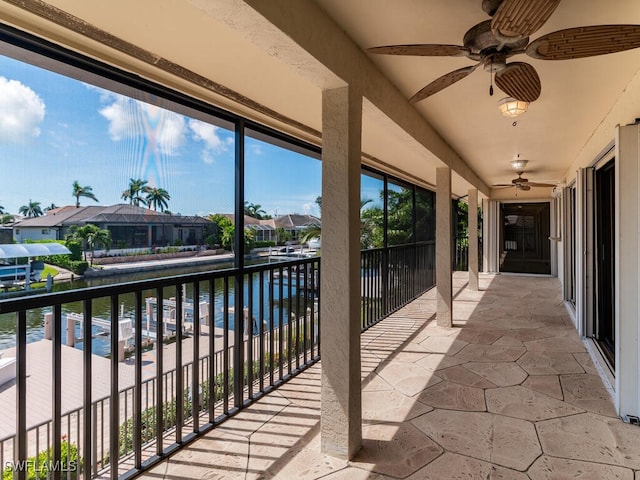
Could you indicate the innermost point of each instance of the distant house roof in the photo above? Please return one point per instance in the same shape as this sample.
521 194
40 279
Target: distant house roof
292 221
296 220
265 224
114 214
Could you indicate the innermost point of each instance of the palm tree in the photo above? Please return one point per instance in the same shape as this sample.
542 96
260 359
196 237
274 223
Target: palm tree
255 210
1 209
315 231
158 197
53 206
80 191
137 187
6 218
32 209
90 236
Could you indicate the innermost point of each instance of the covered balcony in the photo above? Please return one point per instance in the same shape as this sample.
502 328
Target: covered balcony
375 359
509 392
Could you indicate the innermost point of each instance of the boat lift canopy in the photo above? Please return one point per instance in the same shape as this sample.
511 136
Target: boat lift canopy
19 250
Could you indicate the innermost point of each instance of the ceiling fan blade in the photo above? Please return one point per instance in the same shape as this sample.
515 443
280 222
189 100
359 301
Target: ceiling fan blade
536 184
520 18
504 185
520 81
442 83
526 188
424 50
589 41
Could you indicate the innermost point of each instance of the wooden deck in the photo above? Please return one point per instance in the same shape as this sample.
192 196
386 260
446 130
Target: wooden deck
40 385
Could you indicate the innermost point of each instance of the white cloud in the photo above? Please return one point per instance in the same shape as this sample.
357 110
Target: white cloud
308 208
256 150
128 118
213 143
21 112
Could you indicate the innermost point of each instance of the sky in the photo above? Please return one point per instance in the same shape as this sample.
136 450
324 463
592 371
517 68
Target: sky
55 130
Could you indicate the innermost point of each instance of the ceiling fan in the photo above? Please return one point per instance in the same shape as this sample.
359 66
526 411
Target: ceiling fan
492 42
524 184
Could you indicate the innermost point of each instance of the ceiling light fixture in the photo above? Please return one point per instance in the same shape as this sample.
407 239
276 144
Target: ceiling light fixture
510 107
519 165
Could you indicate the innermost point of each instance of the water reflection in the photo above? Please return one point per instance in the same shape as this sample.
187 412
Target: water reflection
101 307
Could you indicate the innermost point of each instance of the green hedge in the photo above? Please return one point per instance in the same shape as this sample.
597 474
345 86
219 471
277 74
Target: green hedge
264 243
148 416
70 464
76 266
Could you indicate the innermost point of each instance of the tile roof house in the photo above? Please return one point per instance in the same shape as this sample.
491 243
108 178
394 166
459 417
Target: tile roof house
265 229
130 225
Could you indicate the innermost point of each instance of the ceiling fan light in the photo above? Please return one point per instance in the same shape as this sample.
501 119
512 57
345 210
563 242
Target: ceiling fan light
510 107
519 164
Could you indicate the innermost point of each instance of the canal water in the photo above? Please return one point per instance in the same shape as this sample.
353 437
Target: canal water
102 306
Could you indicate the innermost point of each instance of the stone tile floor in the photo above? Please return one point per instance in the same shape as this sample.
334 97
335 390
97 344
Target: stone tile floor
509 393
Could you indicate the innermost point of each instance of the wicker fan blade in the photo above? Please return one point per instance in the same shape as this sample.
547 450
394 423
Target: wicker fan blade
526 188
520 18
504 185
536 184
442 83
520 81
424 50
583 42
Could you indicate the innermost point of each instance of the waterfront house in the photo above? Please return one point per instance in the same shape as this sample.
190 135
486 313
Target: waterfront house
522 376
292 225
130 225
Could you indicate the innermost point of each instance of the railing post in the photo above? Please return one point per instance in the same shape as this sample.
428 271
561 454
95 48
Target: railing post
212 354
21 393
87 352
473 240
195 370
159 367
179 376
114 399
137 390
56 404
225 347
238 341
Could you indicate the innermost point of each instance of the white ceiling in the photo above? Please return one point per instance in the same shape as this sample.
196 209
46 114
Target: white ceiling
576 94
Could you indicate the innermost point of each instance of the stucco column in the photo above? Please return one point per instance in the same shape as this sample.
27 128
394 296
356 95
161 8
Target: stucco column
444 285
341 410
627 271
473 238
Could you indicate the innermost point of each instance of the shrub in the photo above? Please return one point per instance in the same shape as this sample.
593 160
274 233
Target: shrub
265 243
76 249
211 240
76 266
148 424
70 463
148 416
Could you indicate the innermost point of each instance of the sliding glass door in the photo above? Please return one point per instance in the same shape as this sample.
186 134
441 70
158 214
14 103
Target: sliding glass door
525 245
604 261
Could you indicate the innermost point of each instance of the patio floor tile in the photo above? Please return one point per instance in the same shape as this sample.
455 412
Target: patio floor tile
527 404
508 393
549 468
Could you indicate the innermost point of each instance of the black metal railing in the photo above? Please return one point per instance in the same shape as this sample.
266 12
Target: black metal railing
461 254
392 277
173 357
218 340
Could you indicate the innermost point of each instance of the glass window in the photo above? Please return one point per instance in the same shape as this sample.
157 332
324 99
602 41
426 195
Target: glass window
149 171
371 210
399 213
425 215
282 191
